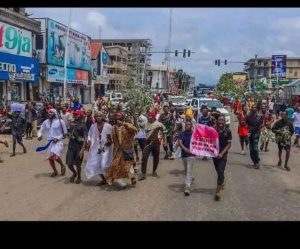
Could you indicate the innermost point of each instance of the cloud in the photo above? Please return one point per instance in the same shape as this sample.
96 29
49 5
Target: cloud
75 25
96 19
204 49
289 23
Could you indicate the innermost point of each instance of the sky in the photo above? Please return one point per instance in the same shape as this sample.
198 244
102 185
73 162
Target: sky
235 34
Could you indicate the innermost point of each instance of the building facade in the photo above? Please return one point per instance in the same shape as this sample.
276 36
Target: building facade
259 68
19 67
99 76
139 55
51 44
117 69
157 77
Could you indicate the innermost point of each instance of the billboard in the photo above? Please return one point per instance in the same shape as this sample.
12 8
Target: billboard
15 41
239 78
19 68
74 76
280 70
79 47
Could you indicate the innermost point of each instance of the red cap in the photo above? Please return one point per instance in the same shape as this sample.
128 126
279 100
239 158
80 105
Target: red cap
152 115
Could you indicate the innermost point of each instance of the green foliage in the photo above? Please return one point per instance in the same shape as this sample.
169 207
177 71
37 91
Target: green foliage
227 85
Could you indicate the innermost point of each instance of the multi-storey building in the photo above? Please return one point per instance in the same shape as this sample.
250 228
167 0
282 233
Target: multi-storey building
19 68
139 55
117 69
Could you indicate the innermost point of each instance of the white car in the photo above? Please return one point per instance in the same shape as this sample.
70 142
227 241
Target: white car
197 103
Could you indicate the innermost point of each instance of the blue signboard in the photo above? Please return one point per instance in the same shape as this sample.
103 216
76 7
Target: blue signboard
279 66
79 47
19 68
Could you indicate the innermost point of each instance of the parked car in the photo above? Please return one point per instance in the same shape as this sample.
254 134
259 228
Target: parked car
178 102
197 103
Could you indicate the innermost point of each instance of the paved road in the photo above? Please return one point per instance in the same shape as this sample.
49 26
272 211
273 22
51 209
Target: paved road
271 193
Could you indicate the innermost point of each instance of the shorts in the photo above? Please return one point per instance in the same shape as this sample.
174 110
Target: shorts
53 157
244 139
297 131
17 137
286 147
72 157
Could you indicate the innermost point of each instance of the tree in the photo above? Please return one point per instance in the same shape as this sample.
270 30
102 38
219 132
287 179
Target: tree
227 85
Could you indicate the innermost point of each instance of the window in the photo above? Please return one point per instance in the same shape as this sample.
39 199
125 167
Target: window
39 41
290 70
295 73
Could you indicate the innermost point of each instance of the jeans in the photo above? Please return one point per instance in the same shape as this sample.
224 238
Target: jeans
253 147
154 148
188 163
170 143
220 164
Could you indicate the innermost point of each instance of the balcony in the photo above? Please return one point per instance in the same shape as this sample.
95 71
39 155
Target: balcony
19 20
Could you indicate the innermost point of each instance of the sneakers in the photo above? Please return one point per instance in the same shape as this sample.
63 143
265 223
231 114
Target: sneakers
256 166
287 168
142 177
154 174
218 196
187 190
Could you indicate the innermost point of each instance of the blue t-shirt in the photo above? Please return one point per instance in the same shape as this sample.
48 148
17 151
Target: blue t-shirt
204 120
77 106
289 112
186 137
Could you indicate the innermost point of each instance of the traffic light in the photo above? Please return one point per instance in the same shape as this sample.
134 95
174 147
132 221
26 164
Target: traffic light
216 62
189 53
184 53
176 52
219 62
225 62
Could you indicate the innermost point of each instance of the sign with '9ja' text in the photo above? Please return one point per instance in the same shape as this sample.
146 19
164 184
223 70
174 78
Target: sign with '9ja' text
15 41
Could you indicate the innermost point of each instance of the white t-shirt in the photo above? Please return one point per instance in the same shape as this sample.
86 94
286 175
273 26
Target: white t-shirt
142 121
296 118
271 105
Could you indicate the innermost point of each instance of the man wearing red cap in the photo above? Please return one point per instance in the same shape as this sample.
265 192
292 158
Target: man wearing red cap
153 127
77 144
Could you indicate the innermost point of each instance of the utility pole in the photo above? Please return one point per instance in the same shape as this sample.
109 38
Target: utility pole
66 58
168 55
100 32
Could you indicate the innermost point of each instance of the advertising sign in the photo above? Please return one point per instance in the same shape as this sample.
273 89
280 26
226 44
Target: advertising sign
79 47
18 68
14 40
74 76
239 79
205 141
280 62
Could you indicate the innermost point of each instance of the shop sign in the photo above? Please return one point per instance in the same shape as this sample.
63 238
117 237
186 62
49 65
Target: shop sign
18 68
74 76
15 41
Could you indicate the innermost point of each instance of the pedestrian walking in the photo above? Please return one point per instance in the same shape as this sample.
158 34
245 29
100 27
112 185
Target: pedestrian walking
30 115
153 127
225 137
2 141
123 134
188 158
255 123
243 129
290 111
283 130
266 135
167 119
34 119
67 118
140 138
76 146
296 120
56 131
99 145
89 120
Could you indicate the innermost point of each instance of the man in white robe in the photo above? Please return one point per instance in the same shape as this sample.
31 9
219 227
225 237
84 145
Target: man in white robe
99 144
56 130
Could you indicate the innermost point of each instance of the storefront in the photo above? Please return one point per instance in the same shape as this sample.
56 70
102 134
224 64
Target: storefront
15 73
77 81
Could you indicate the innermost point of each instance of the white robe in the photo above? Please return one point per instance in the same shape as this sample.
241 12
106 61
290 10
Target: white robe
98 163
55 131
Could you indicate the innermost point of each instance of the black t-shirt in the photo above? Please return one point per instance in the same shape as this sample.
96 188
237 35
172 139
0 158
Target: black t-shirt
225 137
78 132
205 121
186 137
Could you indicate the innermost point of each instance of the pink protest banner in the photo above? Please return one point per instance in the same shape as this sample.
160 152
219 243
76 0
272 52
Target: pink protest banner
205 141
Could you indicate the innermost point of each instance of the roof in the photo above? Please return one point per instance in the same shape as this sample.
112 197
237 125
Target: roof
294 83
95 49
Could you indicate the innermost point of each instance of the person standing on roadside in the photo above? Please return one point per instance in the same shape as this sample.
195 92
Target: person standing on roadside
296 120
243 129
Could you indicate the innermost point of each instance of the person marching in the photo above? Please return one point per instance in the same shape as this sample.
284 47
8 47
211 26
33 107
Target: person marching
225 137
6 145
243 129
266 135
153 127
167 119
188 159
99 147
283 130
140 137
76 146
123 154
89 120
56 130
296 120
